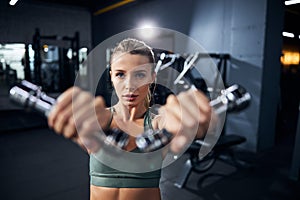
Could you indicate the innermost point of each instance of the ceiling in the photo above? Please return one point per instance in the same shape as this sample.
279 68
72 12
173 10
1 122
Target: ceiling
291 24
92 5
81 3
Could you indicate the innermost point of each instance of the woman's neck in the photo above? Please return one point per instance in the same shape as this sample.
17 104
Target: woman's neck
130 113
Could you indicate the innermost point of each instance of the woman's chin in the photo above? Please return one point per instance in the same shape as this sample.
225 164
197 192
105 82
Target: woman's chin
130 103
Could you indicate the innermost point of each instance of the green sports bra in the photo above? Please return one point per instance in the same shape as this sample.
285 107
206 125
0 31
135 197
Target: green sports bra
105 176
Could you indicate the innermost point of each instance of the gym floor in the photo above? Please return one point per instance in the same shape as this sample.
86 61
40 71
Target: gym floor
38 164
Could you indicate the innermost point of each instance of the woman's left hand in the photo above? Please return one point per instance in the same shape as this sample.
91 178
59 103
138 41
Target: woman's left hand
187 116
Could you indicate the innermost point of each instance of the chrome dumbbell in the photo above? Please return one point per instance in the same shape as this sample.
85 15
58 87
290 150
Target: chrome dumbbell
233 99
31 97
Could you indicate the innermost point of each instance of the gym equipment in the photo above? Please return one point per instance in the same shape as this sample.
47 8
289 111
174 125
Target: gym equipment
199 160
65 67
31 96
233 99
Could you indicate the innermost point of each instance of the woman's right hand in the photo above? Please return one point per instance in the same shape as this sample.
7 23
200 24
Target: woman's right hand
78 115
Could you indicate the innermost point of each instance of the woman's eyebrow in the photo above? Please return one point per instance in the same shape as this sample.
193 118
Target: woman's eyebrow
140 70
119 70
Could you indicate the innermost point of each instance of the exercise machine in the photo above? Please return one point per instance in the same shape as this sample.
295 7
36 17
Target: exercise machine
55 67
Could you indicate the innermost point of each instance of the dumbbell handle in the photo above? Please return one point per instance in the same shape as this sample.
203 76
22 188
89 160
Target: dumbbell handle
232 99
41 103
31 97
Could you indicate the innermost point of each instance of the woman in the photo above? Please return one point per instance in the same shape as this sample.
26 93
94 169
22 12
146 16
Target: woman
132 73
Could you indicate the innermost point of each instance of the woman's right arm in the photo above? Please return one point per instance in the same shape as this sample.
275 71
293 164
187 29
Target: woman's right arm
77 115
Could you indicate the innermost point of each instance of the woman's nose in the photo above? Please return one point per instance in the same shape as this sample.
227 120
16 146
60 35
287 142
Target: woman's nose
130 83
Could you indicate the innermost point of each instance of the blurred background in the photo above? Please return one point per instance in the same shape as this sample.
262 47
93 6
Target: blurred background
257 44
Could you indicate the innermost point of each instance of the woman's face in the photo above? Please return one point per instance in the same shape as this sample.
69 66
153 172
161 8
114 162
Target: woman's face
131 76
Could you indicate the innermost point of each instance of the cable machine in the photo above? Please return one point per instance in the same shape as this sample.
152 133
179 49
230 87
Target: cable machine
56 72
225 143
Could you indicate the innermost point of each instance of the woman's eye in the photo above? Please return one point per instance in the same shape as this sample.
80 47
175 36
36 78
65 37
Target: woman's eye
120 75
140 75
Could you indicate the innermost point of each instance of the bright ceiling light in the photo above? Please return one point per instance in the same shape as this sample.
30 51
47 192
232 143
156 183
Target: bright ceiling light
291 2
147 29
13 2
287 34
146 24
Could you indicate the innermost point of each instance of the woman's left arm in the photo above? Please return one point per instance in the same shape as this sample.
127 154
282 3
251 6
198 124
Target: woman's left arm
187 116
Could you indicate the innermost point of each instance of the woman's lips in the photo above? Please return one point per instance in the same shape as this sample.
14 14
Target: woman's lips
130 97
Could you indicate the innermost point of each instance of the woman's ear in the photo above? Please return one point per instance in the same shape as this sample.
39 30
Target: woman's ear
110 75
153 77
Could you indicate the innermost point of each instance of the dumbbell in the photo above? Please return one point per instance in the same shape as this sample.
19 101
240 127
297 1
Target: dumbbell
31 97
233 99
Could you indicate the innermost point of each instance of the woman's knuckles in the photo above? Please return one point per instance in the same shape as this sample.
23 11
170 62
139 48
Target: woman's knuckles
172 100
69 131
61 118
58 127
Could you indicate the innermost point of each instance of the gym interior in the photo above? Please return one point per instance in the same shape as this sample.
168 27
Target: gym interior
255 44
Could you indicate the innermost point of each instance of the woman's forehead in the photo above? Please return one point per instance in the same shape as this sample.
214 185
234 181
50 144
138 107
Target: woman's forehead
130 61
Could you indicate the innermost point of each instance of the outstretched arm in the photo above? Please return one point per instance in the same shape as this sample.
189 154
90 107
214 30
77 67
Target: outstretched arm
77 114
187 116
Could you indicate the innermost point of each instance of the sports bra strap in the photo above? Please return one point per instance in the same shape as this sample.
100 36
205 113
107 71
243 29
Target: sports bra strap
148 120
110 118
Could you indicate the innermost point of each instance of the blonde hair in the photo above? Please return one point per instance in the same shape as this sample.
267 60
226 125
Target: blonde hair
135 47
